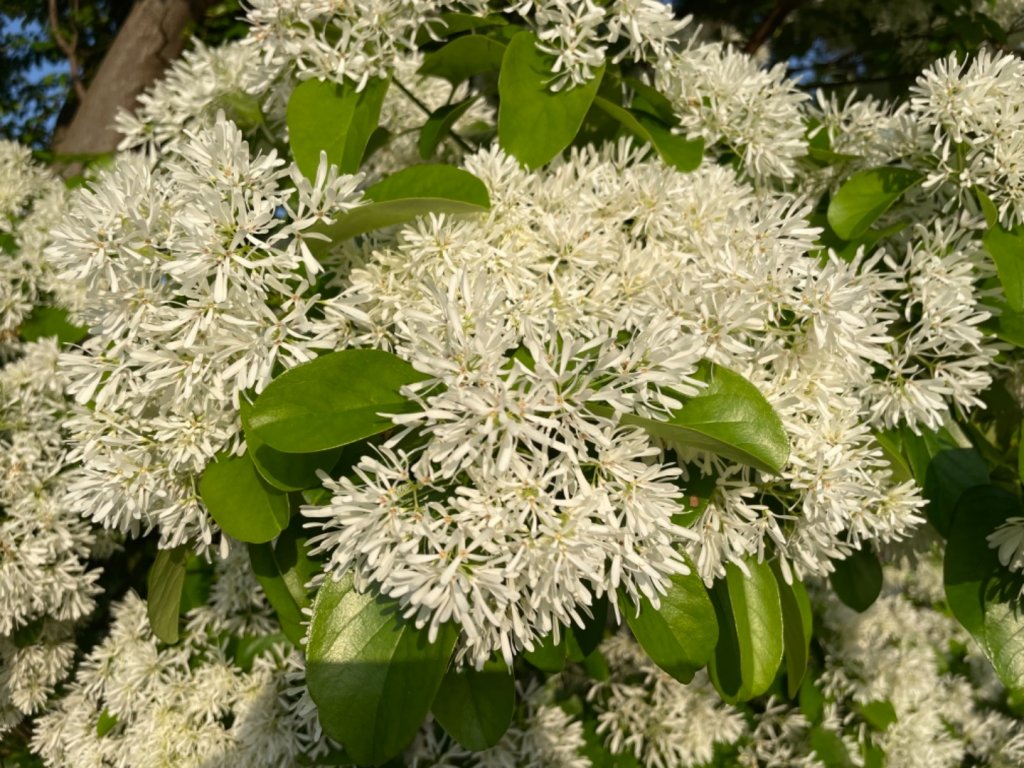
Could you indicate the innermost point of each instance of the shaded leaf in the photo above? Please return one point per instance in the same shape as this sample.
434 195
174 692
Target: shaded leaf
163 592
475 706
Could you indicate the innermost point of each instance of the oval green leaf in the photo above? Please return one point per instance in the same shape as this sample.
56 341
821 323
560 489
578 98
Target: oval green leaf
241 502
751 640
677 151
285 471
1006 247
463 58
283 570
372 675
797 627
333 118
857 579
164 585
407 194
332 401
681 635
439 124
534 123
475 706
867 195
729 417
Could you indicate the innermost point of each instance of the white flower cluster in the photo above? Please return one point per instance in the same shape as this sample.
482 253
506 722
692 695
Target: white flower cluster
198 279
136 702
46 584
971 114
364 40
31 199
601 282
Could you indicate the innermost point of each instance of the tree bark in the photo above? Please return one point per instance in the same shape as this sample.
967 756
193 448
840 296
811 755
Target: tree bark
152 36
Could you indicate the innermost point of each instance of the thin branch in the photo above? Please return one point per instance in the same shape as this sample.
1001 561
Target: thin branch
770 24
68 47
413 98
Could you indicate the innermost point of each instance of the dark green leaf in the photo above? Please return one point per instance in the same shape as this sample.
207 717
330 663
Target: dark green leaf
857 579
797 628
681 635
332 401
242 503
51 321
829 748
583 641
283 570
750 644
878 714
463 58
1007 251
163 596
867 195
372 675
534 123
681 153
411 192
729 417
285 471
475 706
650 100
333 118
547 655
439 124
249 647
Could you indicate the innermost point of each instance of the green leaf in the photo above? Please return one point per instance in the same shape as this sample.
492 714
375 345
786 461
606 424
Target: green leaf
879 714
372 675
829 748
534 123
1004 637
750 644
648 99
475 706
1020 454
242 503
333 118
729 417
332 401
681 635
969 565
583 641
51 321
439 124
797 628
283 570
452 23
285 471
407 194
677 151
105 723
867 195
1007 251
249 647
463 58
857 579
547 655
163 592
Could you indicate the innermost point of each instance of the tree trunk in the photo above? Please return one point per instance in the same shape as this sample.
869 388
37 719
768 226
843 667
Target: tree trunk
152 36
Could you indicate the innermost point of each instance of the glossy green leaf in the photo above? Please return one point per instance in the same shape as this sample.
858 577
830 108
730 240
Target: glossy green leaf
1004 637
729 417
372 675
407 194
332 401
241 502
163 596
51 321
475 706
439 124
534 123
857 579
333 118
867 195
463 58
797 628
681 153
1007 251
679 636
285 471
751 639
283 570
